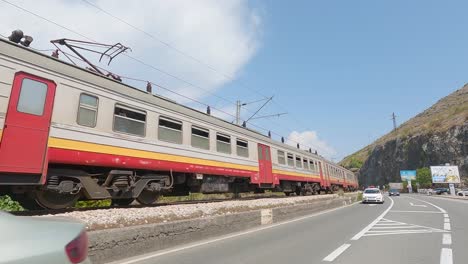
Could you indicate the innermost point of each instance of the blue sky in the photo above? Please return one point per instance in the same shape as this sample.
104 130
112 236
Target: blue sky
343 67
339 68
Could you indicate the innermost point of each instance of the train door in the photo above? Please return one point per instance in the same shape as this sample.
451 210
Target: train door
23 147
264 164
322 176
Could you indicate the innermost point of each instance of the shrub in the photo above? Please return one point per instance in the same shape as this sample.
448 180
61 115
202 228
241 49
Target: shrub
355 163
359 196
93 203
7 204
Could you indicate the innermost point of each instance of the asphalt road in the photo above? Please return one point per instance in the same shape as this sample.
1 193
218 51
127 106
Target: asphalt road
406 229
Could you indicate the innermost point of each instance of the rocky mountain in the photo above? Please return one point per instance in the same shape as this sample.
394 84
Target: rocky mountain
436 136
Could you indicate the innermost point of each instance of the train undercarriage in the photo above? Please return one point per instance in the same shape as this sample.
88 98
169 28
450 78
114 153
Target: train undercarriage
66 185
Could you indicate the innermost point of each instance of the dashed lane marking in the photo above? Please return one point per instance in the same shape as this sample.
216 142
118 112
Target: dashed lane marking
447 239
446 256
447 226
225 237
332 256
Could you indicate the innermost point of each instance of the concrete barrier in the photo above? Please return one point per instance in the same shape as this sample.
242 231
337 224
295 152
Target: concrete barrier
114 244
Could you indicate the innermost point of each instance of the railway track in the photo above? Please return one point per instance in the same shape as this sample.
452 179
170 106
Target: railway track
68 210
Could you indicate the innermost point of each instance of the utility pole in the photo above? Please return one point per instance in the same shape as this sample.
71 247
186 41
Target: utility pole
394 121
238 109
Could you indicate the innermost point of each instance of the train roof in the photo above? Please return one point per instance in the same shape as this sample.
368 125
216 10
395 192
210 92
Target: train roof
28 55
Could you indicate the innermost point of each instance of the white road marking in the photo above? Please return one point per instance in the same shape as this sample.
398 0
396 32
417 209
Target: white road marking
367 228
447 239
426 212
404 231
447 226
372 205
446 256
390 227
446 220
210 241
440 209
418 205
388 224
446 215
398 232
393 227
332 256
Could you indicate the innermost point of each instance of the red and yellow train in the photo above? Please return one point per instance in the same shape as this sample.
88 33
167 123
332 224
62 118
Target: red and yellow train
68 133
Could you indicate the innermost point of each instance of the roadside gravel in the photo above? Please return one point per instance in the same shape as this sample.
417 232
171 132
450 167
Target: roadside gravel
116 218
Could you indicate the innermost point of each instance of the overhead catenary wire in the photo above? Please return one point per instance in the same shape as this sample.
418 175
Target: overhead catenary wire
167 44
141 62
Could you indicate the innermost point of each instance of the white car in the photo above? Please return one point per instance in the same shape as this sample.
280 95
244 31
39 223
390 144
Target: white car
463 192
42 240
372 195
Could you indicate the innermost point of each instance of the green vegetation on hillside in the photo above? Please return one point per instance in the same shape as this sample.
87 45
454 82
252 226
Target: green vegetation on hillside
448 112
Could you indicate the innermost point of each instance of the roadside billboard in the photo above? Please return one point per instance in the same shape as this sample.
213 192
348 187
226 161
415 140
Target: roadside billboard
445 174
408 175
396 185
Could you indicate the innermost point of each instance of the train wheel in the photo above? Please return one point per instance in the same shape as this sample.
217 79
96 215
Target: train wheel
122 202
287 193
28 202
147 197
54 200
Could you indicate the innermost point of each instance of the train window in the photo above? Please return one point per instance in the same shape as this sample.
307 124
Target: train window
129 120
267 154
281 157
200 137
305 163
170 130
290 160
87 110
260 152
298 162
242 148
32 97
223 143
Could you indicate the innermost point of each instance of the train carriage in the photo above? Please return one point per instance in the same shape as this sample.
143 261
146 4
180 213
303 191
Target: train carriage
69 133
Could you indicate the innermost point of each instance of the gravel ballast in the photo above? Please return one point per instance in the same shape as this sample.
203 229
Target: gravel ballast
123 217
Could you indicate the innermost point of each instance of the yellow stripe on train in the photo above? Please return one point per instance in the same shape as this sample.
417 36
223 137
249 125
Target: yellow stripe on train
298 174
106 149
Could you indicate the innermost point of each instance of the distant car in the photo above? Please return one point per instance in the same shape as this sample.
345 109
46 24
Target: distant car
463 192
372 195
42 240
394 192
441 191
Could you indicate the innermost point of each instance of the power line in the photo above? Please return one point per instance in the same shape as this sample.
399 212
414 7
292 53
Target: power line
128 56
161 41
226 76
140 61
136 59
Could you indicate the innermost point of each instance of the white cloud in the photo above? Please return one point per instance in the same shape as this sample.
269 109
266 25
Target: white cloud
311 139
223 34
